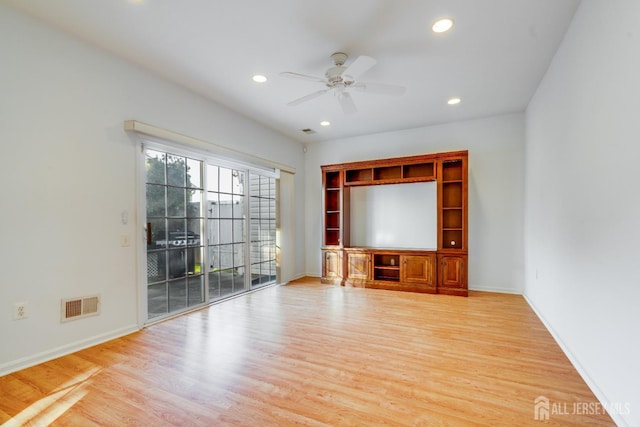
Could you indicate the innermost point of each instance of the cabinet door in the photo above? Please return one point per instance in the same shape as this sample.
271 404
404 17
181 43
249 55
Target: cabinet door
358 266
418 269
452 272
332 265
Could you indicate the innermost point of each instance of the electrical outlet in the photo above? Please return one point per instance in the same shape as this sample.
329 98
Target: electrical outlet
20 311
125 241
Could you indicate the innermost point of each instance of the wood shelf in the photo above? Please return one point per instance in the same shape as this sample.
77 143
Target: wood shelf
452 170
412 169
418 170
358 175
387 172
332 180
452 218
386 267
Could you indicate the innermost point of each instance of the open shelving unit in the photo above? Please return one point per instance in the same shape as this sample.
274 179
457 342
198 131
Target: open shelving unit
386 267
452 204
332 208
390 173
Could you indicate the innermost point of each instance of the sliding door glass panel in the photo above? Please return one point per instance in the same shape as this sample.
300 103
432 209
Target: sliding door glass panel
174 194
262 204
226 218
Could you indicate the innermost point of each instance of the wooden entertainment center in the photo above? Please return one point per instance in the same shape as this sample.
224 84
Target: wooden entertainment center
434 270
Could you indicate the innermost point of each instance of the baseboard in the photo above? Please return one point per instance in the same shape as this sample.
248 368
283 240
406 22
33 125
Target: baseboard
617 418
296 277
498 290
301 276
45 356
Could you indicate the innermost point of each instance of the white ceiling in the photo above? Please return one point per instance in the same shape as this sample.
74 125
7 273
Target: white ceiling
494 58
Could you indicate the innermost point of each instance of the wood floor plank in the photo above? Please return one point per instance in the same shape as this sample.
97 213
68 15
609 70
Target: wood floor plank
314 355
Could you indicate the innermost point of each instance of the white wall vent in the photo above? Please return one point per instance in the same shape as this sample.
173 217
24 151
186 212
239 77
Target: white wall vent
76 308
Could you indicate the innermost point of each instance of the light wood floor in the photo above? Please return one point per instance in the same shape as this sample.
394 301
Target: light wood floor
316 355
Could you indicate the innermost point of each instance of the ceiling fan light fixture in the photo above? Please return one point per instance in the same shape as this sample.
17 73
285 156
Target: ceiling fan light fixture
340 80
259 78
454 101
442 25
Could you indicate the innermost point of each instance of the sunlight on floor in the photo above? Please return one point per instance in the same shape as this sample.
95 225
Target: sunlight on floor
48 409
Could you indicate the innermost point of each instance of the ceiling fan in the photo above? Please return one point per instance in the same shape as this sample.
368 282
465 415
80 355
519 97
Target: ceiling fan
340 80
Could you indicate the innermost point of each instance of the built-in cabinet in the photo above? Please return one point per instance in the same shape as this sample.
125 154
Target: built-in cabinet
358 267
332 266
419 269
435 270
407 270
452 274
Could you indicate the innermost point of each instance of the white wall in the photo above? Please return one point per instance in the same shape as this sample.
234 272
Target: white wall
69 170
582 199
496 150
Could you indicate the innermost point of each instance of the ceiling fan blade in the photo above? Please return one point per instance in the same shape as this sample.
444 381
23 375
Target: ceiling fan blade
380 88
307 97
346 102
291 75
361 65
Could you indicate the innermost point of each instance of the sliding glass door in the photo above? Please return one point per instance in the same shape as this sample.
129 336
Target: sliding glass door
198 210
175 279
226 235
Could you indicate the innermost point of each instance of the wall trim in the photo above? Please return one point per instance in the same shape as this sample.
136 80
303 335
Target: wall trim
600 395
45 356
497 290
296 277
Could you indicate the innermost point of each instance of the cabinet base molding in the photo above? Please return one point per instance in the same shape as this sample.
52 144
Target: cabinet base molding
455 292
390 286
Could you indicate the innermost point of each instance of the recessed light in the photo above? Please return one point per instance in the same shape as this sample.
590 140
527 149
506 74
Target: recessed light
454 101
442 25
259 78
325 123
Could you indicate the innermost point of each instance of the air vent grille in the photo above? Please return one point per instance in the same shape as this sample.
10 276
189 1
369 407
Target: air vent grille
76 308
